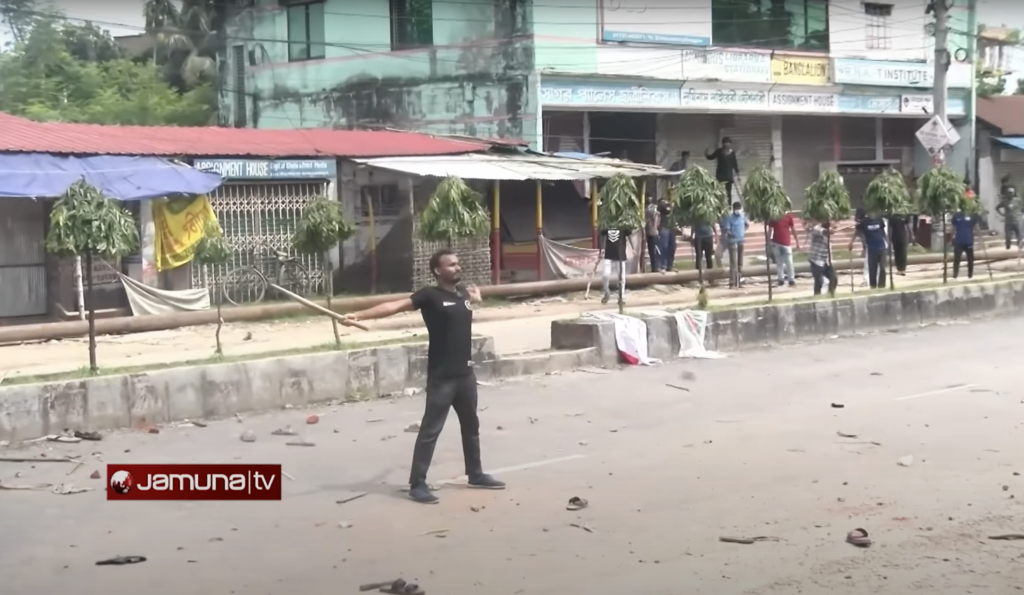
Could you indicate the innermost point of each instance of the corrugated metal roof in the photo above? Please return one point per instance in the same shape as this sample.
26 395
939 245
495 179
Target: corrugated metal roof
513 167
18 135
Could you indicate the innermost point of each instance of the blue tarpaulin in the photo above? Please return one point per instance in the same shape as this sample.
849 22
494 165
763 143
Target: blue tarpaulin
1013 141
41 175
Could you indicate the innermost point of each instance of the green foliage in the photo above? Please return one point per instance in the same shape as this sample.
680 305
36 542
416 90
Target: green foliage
887 194
454 211
213 248
941 191
83 221
989 83
620 204
43 80
320 227
764 198
189 34
827 199
698 198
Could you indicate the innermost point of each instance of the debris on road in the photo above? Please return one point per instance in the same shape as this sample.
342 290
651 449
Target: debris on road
312 419
95 475
676 386
845 435
36 486
345 525
859 538
350 497
905 461
121 560
413 427
248 436
153 430
374 420
577 503
67 438
290 478
475 508
584 527
594 370
66 489
94 436
583 443
285 431
533 420
436 532
300 443
1008 537
747 540
36 460
689 376
838 406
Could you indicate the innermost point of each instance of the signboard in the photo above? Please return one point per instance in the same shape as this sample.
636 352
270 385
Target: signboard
935 135
923 105
804 102
724 99
269 169
721 65
655 22
800 70
608 95
883 74
869 104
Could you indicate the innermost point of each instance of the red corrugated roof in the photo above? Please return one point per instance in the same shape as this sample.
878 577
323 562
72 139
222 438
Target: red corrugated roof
1004 112
18 135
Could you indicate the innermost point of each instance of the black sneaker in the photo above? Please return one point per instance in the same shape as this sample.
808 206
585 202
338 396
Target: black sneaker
422 494
604 300
792 283
486 482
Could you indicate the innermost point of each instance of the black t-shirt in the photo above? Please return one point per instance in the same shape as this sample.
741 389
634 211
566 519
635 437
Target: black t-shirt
615 242
449 320
898 228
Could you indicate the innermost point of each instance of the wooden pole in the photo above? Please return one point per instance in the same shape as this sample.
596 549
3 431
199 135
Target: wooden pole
317 307
496 235
540 231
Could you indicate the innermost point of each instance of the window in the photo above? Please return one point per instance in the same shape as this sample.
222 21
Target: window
306 31
879 37
412 24
385 200
770 24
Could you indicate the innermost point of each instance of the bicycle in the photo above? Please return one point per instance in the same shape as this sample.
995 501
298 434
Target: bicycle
291 275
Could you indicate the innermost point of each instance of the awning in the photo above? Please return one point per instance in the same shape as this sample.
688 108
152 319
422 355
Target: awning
1015 142
513 167
41 175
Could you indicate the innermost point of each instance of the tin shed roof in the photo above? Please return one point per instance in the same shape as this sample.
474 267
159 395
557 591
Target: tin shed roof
1005 113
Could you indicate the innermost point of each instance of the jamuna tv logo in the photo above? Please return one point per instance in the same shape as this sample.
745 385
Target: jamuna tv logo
194 482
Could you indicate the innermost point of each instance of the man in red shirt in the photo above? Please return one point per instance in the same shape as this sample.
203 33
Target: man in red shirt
783 239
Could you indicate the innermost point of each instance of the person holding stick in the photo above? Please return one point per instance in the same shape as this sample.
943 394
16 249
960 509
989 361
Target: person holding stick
448 315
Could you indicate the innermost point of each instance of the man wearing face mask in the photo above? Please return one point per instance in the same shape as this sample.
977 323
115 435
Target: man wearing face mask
736 225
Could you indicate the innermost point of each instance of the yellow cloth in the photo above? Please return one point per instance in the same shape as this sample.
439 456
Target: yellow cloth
180 223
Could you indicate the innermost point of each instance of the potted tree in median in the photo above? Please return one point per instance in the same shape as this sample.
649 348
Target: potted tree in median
85 223
321 227
212 251
941 191
699 202
828 200
765 201
619 214
886 196
455 211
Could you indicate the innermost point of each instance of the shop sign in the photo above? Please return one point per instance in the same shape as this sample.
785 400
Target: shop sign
798 70
804 102
921 105
727 99
721 65
884 74
869 104
609 95
269 169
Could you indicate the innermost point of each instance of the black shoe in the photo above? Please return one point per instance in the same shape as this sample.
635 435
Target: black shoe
604 300
422 494
486 482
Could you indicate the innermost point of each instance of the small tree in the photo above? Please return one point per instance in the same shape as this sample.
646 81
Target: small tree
84 223
828 200
319 230
766 201
212 250
698 199
941 191
453 212
887 195
620 209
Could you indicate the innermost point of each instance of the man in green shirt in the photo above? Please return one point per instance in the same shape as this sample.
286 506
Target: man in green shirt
1009 208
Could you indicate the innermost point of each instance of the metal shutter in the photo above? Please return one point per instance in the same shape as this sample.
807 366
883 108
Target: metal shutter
676 133
806 141
751 139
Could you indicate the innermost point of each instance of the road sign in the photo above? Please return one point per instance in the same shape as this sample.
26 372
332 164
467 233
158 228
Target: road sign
936 135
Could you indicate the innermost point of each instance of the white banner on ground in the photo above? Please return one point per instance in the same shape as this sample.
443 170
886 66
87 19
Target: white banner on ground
630 337
562 261
146 300
693 326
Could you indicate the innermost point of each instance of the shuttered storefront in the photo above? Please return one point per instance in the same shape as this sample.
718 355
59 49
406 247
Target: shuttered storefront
22 258
751 138
806 142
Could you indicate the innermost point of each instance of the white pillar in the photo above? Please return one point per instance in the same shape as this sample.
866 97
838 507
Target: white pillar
879 141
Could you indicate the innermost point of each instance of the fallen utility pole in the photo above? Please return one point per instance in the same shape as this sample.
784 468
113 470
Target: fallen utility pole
161 322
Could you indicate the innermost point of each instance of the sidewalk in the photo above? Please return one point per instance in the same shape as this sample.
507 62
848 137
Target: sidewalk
515 328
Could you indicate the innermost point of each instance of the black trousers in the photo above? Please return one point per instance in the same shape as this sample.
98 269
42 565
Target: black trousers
444 394
899 255
653 253
704 248
958 253
821 273
1011 228
876 268
728 191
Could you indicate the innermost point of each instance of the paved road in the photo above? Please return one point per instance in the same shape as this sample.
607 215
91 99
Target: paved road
750 450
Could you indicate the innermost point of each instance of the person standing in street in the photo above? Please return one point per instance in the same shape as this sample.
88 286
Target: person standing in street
727 169
651 221
667 236
1009 209
963 242
614 244
736 225
899 226
871 231
783 238
704 244
821 269
448 315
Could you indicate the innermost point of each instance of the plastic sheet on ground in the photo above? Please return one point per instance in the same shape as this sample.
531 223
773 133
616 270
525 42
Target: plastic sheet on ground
693 326
630 337
149 300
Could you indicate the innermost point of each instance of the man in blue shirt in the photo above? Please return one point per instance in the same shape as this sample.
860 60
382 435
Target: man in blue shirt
963 242
871 230
735 230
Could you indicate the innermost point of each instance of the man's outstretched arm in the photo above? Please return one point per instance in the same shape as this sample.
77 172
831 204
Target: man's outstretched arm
382 310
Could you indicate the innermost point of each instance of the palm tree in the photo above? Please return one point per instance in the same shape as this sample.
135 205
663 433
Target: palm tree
188 37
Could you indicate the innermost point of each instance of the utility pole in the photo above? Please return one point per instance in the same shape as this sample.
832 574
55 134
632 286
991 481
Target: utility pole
941 64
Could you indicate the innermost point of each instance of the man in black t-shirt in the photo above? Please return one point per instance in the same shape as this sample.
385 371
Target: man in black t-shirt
614 253
448 315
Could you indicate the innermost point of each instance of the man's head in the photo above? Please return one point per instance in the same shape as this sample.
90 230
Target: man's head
727 143
1006 179
444 265
826 224
663 203
737 207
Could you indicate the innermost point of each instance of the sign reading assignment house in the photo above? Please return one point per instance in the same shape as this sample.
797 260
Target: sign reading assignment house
270 169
